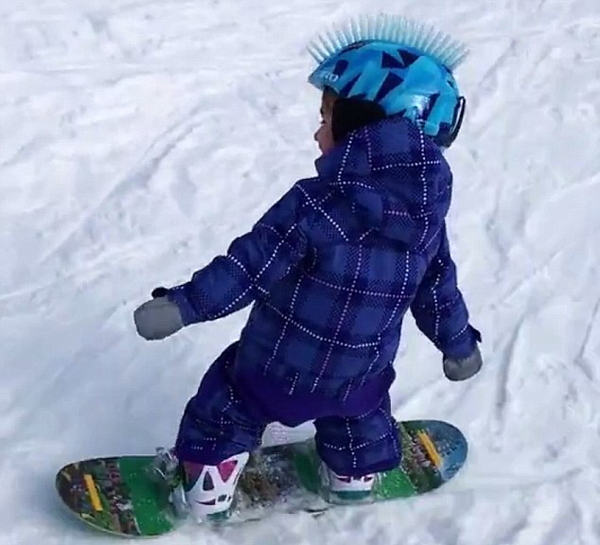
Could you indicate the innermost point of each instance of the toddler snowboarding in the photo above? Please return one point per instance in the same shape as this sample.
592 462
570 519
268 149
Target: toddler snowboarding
331 270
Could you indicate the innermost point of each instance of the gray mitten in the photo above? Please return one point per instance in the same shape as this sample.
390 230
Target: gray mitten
463 369
157 319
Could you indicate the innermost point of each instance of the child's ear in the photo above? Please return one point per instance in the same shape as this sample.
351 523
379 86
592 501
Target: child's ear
329 94
328 99
350 114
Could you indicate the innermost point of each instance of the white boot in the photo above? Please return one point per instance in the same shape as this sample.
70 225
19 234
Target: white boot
209 490
343 489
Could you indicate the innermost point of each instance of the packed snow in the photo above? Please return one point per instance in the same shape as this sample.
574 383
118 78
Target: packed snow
138 137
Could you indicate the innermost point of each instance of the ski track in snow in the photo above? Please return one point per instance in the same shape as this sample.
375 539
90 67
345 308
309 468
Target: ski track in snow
137 138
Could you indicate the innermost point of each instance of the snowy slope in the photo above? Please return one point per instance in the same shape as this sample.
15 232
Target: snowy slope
137 137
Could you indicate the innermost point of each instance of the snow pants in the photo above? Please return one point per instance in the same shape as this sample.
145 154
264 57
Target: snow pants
218 423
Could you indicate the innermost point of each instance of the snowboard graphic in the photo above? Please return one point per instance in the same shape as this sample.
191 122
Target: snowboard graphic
117 495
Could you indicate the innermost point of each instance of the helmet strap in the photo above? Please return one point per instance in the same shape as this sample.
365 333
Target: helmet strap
447 140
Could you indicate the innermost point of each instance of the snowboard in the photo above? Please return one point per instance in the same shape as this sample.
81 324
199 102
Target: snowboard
119 496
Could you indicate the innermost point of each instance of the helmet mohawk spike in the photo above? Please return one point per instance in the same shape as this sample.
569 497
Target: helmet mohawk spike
345 33
317 51
394 29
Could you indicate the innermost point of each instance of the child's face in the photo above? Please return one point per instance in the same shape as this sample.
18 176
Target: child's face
324 134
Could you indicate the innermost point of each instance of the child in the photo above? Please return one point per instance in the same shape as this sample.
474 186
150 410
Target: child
332 268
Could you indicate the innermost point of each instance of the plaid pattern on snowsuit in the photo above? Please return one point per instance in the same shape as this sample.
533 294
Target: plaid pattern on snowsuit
332 268
220 421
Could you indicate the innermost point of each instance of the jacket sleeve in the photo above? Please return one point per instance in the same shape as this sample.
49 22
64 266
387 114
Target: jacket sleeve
440 310
252 265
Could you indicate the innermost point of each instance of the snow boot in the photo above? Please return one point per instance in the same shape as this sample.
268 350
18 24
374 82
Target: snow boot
344 489
209 490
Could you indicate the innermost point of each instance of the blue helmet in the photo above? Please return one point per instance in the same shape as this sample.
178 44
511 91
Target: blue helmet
404 66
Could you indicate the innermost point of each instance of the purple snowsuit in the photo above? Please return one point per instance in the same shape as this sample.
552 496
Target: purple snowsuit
331 268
